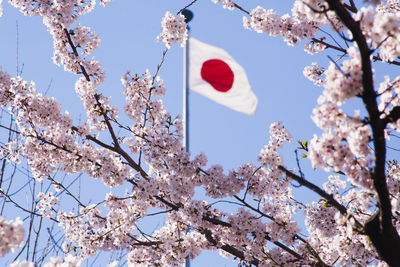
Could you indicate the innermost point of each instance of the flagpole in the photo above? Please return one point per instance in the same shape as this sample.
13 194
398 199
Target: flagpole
186 110
188 17
186 96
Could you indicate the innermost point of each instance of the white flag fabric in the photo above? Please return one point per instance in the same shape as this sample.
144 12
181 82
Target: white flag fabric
213 73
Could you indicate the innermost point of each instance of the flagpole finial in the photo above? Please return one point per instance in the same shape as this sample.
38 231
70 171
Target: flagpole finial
187 14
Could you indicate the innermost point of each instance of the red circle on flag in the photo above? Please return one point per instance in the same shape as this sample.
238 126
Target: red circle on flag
217 73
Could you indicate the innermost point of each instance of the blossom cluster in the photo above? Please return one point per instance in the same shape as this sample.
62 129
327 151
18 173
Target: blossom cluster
46 204
58 16
11 235
24 263
105 2
314 47
45 129
96 106
307 17
382 29
389 6
269 22
334 235
68 261
316 11
334 238
314 73
388 91
346 82
173 30
228 4
343 144
167 250
393 182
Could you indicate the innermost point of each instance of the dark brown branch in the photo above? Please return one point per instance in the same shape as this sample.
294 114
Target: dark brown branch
315 40
187 6
393 116
216 221
75 51
230 249
241 9
389 62
119 150
352 7
316 189
35 246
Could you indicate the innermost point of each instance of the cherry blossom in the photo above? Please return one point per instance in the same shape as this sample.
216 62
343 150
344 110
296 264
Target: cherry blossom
46 203
68 261
269 22
12 235
105 2
228 4
391 6
314 73
22 264
173 30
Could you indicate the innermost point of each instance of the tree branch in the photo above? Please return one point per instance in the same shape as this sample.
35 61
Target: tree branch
316 189
393 116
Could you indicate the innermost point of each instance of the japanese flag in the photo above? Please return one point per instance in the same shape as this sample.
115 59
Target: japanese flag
213 73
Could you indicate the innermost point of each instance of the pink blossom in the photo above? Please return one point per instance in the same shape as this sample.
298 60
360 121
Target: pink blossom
12 235
228 4
173 30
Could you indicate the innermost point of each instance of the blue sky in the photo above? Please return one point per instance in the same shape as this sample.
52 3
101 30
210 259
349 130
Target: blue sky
128 30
